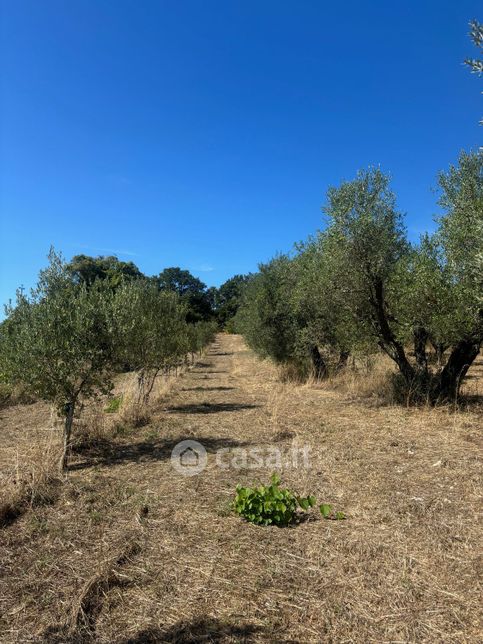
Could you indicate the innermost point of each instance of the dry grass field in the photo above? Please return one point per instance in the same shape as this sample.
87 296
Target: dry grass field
127 550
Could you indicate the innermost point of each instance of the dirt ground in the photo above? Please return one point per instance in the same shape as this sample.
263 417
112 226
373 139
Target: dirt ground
128 550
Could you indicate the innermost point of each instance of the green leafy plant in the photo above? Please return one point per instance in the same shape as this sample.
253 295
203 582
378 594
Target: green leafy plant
269 504
328 513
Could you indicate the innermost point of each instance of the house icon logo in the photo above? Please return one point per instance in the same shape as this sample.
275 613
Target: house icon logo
189 458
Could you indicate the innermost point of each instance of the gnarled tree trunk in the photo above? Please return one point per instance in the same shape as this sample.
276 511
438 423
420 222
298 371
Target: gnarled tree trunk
343 358
459 361
318 363
387 340
420 336
439 349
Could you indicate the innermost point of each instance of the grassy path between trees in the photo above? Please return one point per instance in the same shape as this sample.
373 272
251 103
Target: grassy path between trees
131 551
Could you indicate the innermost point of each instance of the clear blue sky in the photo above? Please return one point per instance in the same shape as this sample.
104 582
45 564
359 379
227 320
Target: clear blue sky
204 133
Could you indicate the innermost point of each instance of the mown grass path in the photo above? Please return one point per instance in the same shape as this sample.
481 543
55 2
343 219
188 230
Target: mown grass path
132 551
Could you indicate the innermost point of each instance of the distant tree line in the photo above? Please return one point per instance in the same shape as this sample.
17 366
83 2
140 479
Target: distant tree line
201 303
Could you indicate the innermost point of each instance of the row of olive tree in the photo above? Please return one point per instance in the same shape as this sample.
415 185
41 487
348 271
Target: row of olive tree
65 340
359 284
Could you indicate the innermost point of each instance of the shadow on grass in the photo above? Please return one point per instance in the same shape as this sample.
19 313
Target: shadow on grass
199 630
107 453
209 408
470 402
221 353
203 629
46 493
208 389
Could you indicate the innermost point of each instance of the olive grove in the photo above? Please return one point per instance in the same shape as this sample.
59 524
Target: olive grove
65 341
359 285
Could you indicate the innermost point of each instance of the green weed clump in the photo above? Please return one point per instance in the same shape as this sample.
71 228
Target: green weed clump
113 405
269 504
328 512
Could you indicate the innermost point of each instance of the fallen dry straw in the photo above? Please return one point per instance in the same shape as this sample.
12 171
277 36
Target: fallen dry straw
89 603
33 480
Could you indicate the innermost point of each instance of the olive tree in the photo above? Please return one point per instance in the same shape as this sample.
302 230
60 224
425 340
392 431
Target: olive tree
360 284
149 331
56 342
441 287
290 314
331 334
366 241
425 302
199 335
267 317
460 239
476 35
428 293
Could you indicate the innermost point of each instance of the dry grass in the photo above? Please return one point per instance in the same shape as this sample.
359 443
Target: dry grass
88 605
131 412
368 379
31 478
402 568
13 395
371 380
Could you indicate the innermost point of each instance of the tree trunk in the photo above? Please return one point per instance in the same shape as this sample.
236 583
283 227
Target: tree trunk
439 349
343 358
387 339
69 417
150 387
141 387
420 338
459 361
318 363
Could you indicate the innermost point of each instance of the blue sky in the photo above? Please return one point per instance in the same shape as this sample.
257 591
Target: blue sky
205 133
